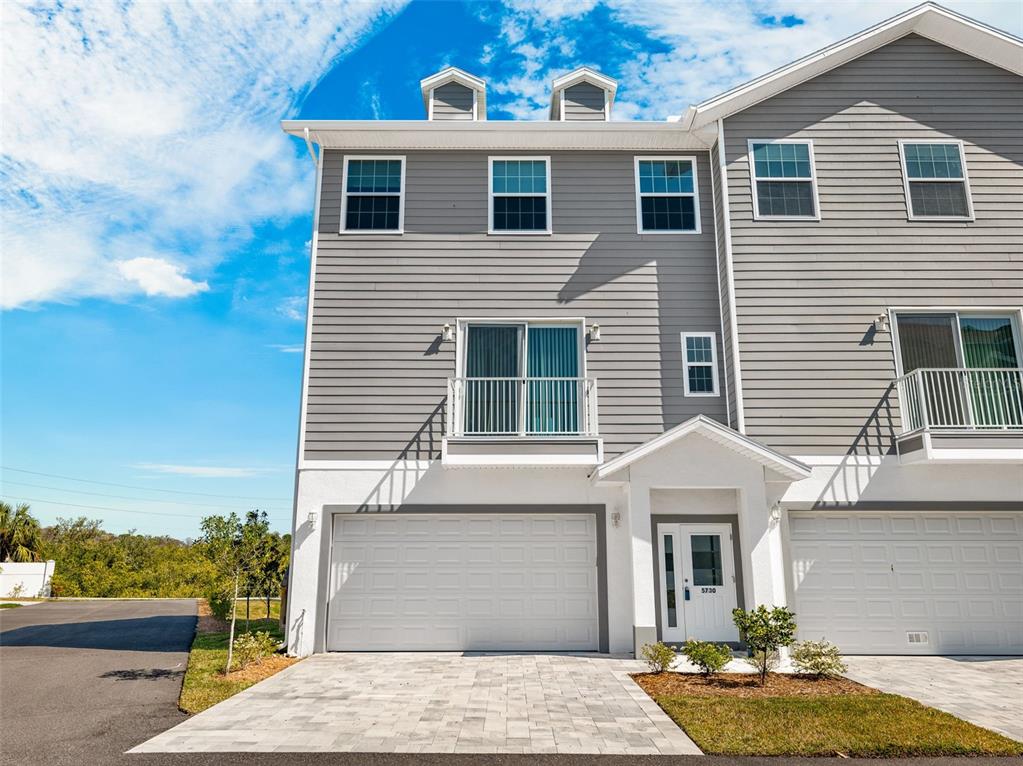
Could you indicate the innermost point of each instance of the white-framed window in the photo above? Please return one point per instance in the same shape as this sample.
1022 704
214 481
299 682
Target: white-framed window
937 187
519 192
783 180
700 363
373 194
667 195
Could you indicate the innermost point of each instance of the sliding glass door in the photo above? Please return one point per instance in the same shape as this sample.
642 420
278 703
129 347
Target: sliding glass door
522 379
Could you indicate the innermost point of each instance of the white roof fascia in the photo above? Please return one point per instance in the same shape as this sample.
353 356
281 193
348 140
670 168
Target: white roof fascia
396 135
928 20
711 429
454 74
582 74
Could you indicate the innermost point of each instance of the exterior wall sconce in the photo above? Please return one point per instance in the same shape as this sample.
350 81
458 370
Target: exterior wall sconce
616 519
881 322
311 518
776 511
447 333
594 332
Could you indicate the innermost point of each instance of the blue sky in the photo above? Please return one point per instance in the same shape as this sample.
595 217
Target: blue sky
156 221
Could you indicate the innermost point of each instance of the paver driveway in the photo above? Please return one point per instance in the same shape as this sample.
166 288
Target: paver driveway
987 691
432 702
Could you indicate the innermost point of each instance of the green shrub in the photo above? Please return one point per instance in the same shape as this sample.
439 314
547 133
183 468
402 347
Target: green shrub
249 647
220 602
710 658
819 659
765 631
659 657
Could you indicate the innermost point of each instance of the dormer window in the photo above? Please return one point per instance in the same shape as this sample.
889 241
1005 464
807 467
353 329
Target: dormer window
584 94
453 94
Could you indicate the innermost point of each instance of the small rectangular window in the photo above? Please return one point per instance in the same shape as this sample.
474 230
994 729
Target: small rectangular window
783 180
373 191
520 200
700 364
666 195
936 182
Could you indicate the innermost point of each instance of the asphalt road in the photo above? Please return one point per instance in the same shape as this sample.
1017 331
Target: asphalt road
81 682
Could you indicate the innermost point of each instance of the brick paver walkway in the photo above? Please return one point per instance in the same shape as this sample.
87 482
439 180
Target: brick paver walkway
448 703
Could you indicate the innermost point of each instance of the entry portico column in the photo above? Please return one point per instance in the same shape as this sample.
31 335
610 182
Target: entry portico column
644 621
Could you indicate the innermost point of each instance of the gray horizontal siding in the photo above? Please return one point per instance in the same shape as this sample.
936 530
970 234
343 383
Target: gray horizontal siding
378 370
816 379
583 102
452 102
724 291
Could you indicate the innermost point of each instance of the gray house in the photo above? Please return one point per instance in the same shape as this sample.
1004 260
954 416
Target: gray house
580 384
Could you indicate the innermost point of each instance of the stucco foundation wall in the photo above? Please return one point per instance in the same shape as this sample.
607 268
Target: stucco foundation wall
30 580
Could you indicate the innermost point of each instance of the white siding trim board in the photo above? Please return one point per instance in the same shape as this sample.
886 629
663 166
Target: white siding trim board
733 319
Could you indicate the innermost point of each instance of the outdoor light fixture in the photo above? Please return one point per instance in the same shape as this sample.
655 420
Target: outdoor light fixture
776 511
616 519
881 322
594 332
447 333
311 518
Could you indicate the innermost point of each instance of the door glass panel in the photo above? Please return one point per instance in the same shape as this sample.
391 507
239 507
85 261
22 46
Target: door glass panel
491 385
927 340
669 581
707 560
553 367
995 396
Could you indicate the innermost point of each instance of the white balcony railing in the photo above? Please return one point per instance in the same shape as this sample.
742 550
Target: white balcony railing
961 399
522 407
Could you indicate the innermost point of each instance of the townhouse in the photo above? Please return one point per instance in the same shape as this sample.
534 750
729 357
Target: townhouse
584 384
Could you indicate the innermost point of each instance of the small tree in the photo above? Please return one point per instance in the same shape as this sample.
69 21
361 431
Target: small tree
221 543
765 631
254 539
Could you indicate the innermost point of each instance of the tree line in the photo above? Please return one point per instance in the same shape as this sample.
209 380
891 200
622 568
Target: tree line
91 562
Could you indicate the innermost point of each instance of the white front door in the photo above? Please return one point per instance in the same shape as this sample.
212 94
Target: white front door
697 588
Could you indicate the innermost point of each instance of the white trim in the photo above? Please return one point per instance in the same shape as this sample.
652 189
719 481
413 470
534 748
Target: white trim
721 295
906 180
490 195
686 364
695 194
743 445
927 20
733 317
429 108
366 465
575 77
757 216
344 195
607 105
453 74
475 104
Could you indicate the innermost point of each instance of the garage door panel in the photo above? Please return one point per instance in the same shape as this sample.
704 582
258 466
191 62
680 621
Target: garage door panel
954 576
461 581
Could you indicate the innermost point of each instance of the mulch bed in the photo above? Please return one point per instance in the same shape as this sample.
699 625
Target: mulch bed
745 685
263 668
207 622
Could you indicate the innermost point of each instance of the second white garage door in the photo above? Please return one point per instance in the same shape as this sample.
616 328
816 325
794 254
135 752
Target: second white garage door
463 582
910 583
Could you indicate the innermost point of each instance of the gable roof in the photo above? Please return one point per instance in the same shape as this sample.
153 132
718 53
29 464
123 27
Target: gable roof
711 429
928 20
454 74
582 74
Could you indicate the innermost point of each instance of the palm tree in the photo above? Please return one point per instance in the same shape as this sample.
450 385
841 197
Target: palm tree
20 536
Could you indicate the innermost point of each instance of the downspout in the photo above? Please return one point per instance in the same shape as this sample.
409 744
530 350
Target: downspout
740 415
303 397
718 258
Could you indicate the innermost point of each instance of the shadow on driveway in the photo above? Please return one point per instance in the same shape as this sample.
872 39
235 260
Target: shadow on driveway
158 633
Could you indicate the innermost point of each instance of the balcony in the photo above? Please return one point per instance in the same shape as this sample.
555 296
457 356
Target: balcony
961 415
548 421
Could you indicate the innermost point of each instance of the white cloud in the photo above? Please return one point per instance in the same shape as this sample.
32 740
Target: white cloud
150 130
158 277
293 308
711 46
285 348
205 471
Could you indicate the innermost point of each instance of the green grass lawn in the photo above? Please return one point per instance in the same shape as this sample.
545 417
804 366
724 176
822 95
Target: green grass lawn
872 725
205 683
9 606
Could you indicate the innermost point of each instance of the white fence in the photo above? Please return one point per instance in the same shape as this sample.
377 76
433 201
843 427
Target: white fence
31 580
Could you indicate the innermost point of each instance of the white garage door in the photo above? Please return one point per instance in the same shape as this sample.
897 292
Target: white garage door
910 583
463 581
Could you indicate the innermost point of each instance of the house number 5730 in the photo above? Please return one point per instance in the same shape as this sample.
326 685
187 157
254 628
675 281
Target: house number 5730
708 590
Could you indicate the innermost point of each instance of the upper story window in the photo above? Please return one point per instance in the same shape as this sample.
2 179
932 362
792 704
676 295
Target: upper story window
666 195
783 180
520 199
700 363
373 194
936 182
954 339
